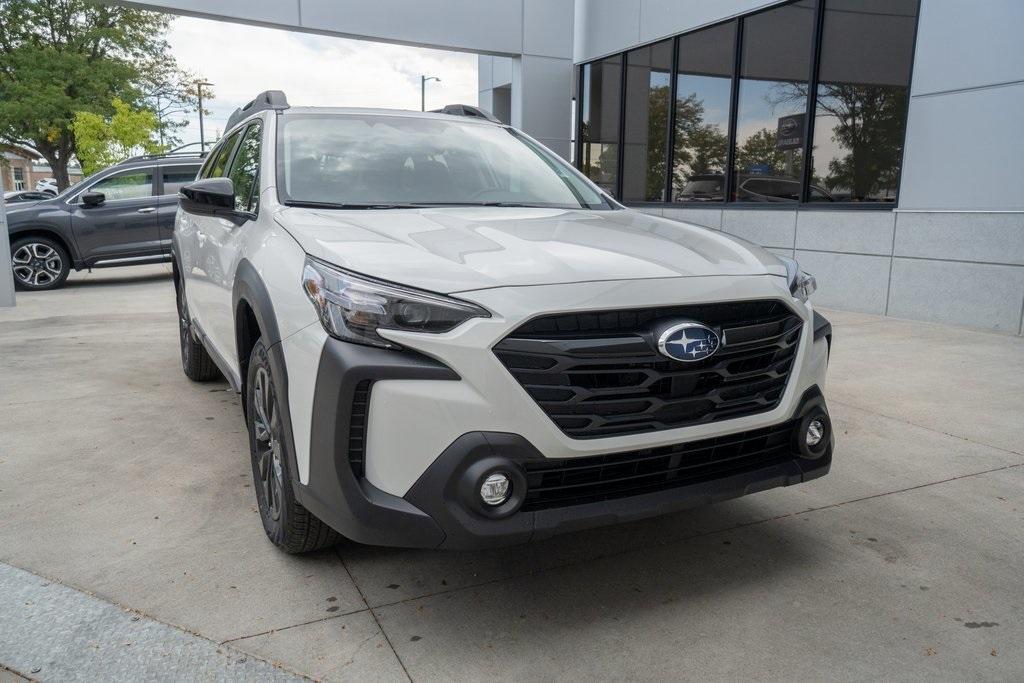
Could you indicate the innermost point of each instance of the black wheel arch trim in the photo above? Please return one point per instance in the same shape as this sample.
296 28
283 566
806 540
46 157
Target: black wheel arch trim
248 288
22 231
352 506
822 328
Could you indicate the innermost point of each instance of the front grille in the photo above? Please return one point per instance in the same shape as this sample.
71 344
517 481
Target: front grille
574 481
357 428
599 374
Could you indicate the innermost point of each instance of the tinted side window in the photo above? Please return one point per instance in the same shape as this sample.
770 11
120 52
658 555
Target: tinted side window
132 184
776 61
176 176
245 168
599 121
863 95
645 151
218 161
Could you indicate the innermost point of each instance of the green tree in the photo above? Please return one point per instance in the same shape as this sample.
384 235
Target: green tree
102 141
760 149
62 57
171 94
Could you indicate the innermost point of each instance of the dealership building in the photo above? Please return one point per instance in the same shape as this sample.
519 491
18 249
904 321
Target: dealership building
879 141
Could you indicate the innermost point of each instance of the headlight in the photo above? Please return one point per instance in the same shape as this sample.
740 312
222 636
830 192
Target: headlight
353 308
801 285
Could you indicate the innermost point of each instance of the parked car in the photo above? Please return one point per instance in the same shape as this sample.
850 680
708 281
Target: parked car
121 216
749 188
47 186
21 196
446 336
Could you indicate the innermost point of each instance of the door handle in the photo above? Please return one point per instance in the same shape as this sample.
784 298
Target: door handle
148 209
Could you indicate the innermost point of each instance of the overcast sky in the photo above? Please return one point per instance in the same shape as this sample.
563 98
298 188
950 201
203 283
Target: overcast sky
242 61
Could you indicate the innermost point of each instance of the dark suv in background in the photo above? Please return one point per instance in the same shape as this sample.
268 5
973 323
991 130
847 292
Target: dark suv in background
121 216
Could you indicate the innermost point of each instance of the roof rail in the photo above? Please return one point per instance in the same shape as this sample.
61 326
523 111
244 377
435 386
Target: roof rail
268 99
173 154
467 110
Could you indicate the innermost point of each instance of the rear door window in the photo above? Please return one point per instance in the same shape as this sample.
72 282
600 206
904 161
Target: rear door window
174 177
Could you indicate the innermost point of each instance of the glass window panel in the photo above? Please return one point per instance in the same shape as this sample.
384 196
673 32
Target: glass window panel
245 168
772 103
599 121
177 176
863 92
645 150
128 185
703 97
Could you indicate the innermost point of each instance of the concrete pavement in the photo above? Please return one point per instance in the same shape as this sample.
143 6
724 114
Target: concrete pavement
121 478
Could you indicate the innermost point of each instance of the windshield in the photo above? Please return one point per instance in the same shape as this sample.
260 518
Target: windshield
380 161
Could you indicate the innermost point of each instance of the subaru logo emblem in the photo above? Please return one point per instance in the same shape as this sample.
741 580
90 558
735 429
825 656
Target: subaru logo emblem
688 342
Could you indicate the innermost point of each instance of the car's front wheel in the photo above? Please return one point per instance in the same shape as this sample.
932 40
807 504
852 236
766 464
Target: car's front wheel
39 263
289 525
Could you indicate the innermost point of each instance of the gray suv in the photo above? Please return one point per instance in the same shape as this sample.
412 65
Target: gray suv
121 216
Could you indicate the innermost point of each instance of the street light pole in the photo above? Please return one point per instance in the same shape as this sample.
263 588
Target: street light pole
423 90
202 138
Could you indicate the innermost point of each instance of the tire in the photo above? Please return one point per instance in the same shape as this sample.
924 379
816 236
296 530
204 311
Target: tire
195 359
288 525
39 263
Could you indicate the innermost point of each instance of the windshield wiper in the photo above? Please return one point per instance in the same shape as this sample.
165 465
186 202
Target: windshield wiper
503 204
335 205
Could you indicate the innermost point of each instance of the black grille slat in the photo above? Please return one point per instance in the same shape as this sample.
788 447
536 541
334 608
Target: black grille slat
575 481
357 428
599 374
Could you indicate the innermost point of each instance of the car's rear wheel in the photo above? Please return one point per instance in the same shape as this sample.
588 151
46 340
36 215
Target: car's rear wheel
195 359
39 263
288 525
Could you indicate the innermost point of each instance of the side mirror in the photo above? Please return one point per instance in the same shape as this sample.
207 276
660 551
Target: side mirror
211 197
93 198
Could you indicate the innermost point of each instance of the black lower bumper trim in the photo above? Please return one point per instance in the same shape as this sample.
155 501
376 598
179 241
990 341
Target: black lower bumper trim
442 490
442 508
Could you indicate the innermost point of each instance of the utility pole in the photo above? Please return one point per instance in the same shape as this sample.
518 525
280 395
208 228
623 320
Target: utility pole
423 90
202 139
159 120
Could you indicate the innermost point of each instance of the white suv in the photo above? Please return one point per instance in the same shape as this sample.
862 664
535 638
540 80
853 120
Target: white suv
445 336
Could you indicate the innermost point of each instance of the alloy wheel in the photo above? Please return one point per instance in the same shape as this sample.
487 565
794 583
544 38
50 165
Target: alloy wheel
36 264
267 428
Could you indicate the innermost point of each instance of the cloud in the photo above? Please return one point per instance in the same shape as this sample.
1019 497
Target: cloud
313 70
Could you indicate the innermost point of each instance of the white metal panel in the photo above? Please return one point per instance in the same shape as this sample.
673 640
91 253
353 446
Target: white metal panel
968 44
484 26
964 151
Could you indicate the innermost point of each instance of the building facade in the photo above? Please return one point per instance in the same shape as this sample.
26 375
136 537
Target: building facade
877 141
22 173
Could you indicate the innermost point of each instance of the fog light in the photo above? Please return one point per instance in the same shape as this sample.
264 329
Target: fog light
815 432
496 488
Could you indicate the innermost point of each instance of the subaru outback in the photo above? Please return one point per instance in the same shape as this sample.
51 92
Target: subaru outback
446 336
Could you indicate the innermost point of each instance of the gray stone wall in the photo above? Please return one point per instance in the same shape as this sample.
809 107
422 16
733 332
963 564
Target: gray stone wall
963 268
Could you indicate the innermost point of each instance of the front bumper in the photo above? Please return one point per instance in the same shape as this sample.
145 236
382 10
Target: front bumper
439 510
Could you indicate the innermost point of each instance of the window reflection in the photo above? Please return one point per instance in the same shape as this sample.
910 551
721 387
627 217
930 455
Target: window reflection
863 92
645 154
775 64
703 86
599 122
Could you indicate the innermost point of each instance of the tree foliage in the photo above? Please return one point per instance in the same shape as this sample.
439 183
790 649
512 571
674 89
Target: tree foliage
102 141
62 57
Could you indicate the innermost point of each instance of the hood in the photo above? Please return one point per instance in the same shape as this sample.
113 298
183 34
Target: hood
454 249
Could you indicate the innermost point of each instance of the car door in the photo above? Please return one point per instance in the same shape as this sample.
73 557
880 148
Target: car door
200 260
124 225
172 177
225 237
